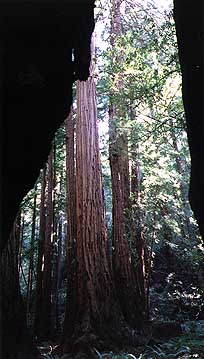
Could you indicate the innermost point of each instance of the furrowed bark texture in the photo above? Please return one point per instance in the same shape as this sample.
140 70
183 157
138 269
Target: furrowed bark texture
93 280
98 320
94 287
124 267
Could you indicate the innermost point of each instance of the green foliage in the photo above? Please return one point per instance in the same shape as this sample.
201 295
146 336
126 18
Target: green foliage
151 113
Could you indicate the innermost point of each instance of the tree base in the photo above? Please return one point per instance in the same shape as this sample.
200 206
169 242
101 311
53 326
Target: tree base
88 341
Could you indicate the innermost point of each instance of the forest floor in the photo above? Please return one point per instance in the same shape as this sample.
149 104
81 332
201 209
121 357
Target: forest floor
190 344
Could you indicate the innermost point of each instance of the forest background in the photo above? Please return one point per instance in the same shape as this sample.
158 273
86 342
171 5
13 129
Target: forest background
149 239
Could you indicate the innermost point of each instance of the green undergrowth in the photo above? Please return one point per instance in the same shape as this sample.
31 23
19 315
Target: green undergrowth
186 346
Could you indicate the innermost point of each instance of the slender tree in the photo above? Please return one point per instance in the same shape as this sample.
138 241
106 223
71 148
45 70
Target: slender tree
48 252
71 224
40 260
139 249
58 269
22 225
58 250
186 227
31 260
55 240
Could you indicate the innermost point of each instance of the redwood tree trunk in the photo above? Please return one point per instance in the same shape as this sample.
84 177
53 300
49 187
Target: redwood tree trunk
30 271
71 225
22 214
39 288
139 246
125 269
55 245
98 318
58 274
94 296
48 254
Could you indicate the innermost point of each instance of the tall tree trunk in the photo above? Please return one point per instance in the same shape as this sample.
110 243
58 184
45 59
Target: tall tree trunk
48 254
71 185
30 271
139 247
94 298
57 262
71 225
98 318
58 273
124 266
39 287
22 214
55 245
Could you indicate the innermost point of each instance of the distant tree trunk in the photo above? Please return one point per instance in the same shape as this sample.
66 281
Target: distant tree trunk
140 249
22 215
124 266
71 185
39 287
15 339
71 225
30 271
55 245
180 166
57 262
48 253
58 270
20 267
54 183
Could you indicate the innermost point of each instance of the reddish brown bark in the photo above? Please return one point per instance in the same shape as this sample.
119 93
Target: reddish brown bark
30 271
94 289
98 318
71 225
124 266
58 273
126 274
